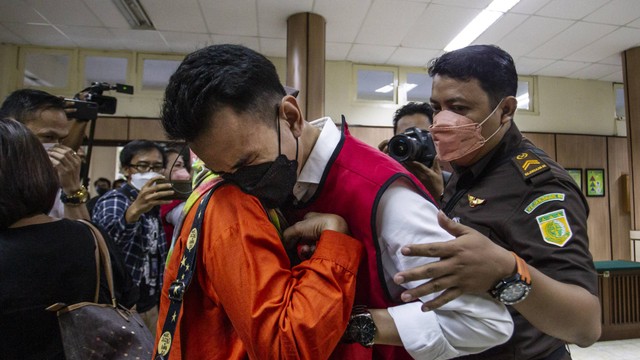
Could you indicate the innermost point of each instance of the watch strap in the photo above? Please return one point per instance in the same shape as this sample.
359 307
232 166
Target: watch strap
79 196
522 268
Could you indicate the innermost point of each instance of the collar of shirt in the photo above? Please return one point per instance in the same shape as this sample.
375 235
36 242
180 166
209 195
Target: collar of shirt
509 141
314 167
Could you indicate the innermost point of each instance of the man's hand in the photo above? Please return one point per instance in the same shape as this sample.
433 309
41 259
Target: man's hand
149 196
431 178
471 263
384 146
67 164
304 234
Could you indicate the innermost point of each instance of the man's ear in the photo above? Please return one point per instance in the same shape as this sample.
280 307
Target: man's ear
290 111
508 107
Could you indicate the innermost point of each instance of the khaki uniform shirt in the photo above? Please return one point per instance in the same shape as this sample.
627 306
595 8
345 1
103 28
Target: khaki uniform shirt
527 203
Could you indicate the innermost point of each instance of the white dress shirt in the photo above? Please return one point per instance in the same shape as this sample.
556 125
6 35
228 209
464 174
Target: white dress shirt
466 325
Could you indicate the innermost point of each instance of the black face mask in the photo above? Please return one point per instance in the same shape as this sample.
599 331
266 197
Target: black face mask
101 191
271 182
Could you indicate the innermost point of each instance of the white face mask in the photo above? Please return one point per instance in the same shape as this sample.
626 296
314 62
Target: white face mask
139 179
48 146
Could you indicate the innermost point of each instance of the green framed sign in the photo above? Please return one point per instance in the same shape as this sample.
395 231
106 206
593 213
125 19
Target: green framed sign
595 182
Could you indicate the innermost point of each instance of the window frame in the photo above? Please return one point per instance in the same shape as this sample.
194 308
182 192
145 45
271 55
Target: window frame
381 68
72 73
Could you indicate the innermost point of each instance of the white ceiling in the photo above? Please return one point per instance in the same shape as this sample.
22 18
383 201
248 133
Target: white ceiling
567 38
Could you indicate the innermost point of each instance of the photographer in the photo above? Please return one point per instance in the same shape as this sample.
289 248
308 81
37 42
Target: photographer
420 116
130 215
46 116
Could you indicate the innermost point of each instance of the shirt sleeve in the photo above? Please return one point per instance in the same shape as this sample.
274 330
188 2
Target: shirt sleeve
109 214
466 325
277 311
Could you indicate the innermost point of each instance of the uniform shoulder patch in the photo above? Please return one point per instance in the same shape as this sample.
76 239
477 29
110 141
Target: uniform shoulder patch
530 164
555 228
543 199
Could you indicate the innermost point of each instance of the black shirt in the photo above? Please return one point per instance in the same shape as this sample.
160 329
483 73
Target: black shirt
45 264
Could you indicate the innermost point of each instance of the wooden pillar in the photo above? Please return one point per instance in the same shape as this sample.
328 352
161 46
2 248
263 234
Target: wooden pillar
631 77
306 61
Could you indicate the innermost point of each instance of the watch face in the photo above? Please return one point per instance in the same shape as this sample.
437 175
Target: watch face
362 329
514 293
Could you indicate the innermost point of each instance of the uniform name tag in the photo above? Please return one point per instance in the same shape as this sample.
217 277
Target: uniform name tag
543 199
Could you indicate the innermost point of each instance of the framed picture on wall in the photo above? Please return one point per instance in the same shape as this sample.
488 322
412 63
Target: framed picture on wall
595 182
576 174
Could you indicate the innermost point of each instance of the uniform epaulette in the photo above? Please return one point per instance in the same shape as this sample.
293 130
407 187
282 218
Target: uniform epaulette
530 165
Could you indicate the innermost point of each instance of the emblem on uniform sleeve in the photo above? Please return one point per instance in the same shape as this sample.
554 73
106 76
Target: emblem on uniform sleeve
542 200
530 164
555 228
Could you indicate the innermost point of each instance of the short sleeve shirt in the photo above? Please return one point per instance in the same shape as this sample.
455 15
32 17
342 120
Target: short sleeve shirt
527 203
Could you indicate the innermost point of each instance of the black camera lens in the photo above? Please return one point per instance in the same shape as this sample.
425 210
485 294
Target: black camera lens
401 147
413 145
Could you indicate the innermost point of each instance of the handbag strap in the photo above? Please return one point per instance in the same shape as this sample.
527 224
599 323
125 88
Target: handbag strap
104 258
185 275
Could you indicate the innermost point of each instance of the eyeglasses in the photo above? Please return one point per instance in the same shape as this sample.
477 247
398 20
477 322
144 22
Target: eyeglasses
145 167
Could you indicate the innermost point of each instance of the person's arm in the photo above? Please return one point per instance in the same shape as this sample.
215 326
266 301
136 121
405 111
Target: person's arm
470 324
430 177
278 311
575 314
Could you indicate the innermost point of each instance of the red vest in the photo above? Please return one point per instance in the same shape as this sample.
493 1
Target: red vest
352 184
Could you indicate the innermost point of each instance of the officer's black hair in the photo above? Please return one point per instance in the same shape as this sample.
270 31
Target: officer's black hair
493 67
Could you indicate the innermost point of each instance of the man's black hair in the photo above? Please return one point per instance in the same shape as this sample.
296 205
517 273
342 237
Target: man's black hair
137 146
22 104
216 77
490 65
95 183
411 109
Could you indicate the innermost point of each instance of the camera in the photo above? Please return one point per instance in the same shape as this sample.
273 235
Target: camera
181 189
106 104
414 144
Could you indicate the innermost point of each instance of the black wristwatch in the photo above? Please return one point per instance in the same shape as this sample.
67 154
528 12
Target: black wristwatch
513 289
361 328
76 198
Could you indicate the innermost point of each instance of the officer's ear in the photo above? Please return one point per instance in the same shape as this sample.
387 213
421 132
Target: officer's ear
291 113
509 106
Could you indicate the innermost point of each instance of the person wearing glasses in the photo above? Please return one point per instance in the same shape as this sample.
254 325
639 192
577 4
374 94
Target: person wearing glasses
131 216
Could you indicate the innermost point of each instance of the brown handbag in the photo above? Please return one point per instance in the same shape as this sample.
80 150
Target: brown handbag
102 331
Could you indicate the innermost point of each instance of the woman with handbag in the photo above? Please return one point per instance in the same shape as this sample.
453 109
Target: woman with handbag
43 260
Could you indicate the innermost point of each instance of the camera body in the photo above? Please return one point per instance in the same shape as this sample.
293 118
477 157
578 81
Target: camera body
104 104
414 144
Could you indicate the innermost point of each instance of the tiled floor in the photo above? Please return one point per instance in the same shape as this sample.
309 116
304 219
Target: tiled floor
608 350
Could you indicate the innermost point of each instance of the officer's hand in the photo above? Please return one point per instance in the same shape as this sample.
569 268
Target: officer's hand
471 263
149 196
383 146
67 164
431 178
304 234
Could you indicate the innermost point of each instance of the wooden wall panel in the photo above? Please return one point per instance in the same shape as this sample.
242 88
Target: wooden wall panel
546 142
111 128
583 151
148 129
619 198
371 135
631 77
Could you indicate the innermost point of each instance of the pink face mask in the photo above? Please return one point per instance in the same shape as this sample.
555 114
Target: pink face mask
457 136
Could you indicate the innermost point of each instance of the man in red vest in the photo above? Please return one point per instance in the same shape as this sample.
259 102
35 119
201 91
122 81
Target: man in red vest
227 103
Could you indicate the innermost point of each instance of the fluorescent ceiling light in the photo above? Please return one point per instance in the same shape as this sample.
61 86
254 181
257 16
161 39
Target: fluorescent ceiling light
135 14
385 89
480 23
408 86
